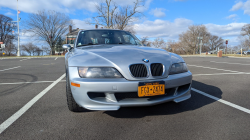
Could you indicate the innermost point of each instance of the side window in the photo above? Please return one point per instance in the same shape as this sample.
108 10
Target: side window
80 39
106 41
128 39
138 42
131 40
119 38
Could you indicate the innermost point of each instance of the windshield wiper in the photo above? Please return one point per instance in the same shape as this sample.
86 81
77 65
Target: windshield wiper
86 44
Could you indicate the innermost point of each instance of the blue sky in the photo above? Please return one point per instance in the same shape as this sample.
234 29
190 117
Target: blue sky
163 18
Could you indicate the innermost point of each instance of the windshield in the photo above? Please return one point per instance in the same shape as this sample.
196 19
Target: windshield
94 37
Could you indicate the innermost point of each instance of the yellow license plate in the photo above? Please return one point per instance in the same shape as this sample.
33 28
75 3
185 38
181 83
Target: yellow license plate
151 88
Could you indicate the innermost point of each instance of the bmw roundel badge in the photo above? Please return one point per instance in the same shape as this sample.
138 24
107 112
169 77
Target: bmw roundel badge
145 60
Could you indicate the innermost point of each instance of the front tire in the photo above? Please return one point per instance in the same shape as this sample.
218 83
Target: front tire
72 105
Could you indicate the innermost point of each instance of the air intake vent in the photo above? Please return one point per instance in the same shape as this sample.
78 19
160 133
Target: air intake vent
156 69
138 70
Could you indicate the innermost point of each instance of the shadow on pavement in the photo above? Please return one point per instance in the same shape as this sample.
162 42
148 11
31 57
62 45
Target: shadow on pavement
195 102
17 86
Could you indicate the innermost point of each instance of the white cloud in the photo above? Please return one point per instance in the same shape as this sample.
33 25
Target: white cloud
245 6
31 6
231 16
171 30
229 30
66 6
237 6
9 14
145 7
27 37
158 12
162 28
81 24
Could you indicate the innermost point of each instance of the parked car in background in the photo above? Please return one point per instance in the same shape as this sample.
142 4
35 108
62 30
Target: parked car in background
246 52
108 69
212 52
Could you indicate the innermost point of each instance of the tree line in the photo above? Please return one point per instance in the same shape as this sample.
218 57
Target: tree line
46 26
6 36
189 43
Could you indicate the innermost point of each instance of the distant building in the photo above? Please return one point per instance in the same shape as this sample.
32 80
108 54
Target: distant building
70 39
71 36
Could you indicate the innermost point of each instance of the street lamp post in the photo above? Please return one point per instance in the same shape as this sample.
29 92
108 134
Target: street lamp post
18 38
18 49
241 50
200 41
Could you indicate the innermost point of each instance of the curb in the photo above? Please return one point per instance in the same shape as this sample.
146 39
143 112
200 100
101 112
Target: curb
214 56
196 56
30 57
239 57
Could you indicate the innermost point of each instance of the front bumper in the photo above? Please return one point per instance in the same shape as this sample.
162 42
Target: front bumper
104 94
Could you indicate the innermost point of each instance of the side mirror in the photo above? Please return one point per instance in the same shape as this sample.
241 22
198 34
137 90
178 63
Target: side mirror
66 46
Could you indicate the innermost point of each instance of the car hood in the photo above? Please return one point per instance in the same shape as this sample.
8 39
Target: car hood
121 57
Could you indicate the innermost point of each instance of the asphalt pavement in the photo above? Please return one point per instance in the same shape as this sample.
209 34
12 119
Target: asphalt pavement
218 109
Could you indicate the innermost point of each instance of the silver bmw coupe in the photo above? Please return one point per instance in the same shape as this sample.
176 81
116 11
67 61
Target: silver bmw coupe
108 69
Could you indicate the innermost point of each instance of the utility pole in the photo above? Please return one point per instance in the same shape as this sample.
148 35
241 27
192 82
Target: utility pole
18 49
241 50
18 38
200 41
51 44
42 50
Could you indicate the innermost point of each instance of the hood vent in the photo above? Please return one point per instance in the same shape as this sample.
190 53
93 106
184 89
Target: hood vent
138 70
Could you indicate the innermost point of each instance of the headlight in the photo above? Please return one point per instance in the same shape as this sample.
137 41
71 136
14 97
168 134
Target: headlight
101 72
178 68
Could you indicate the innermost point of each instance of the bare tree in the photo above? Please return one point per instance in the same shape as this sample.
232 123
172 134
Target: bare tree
10 48
29 48
46 50
112 16
48 26
215 42
244 44
190 37
159 43
245 31
145 41
6 28
236 49
176 47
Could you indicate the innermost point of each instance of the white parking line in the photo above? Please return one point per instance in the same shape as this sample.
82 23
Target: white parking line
10 68
36 82
215 68
220 74
56 58
23 59
20 112
222 101
230 63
